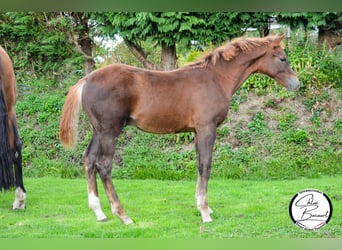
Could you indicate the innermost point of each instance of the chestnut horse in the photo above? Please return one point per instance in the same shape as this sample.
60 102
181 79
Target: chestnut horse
194 98
10 144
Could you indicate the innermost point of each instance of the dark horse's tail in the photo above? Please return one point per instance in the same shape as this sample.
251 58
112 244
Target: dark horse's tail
6 169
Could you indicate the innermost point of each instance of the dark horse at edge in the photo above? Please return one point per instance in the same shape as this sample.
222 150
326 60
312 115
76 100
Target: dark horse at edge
194 98
10 144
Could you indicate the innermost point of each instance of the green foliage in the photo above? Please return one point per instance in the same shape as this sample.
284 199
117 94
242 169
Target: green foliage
183 137
182 29
313 103
170 28
286 121
239 97
310 20
121 54
338 124
316 68
38 44
259 82
300 136
289 133
38 110
257 124
262 153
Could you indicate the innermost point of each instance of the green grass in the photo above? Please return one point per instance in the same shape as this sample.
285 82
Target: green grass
57 208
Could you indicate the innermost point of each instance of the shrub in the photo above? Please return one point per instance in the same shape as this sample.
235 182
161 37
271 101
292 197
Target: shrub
258 123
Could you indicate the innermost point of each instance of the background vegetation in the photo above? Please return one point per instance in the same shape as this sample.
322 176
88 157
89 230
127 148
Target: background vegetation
248 147
269 141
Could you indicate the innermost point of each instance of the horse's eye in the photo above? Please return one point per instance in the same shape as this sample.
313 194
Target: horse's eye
283 59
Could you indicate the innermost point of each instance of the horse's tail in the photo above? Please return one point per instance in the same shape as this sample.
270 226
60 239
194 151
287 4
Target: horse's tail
69 121
6 170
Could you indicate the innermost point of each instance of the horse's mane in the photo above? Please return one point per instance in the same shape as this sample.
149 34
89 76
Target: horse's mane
230 50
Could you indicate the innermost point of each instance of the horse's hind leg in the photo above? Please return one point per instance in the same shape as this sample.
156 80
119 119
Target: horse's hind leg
98 158
16 146
104 166
90 169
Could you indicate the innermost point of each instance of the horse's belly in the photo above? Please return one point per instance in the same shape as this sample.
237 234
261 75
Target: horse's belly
161 124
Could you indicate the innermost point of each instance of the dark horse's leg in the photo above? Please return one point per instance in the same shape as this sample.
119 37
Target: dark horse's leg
20 192
98 158
205 138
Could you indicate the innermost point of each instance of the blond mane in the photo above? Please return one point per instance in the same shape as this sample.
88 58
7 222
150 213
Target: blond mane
232 49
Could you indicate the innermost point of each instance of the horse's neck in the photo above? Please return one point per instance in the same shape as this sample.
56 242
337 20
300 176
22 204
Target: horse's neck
236 71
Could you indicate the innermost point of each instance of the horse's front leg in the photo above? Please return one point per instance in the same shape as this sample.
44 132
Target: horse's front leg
20 192
205 138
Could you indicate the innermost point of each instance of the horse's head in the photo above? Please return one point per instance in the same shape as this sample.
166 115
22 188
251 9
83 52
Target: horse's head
276 65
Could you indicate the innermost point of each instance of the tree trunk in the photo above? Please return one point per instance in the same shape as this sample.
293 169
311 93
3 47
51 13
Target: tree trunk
139 53
168 57
86 45
332 38
264 30
84 42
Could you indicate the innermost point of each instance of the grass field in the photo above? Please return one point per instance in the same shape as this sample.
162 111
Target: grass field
57 208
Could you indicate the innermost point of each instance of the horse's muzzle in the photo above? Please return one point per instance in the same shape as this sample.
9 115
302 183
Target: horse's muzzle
292 83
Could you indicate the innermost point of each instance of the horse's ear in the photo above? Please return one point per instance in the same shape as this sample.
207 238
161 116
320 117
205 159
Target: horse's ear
282 36
277 40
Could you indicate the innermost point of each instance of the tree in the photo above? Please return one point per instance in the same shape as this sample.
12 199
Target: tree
329 29
34 41
80 30
170 29
163 28
45 42
329 25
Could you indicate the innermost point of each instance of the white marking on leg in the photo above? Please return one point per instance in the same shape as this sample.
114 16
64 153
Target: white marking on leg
204 209
201 203
124 218
20 199
94 204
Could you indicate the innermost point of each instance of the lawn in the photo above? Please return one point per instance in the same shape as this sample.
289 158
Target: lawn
57 208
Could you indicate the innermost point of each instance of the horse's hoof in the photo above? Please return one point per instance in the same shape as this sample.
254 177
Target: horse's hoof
206 217
207 220
18 207
20 199
126 220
